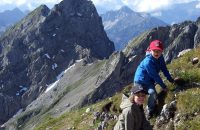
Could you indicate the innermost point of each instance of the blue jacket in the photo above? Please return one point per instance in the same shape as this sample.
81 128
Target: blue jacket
147 72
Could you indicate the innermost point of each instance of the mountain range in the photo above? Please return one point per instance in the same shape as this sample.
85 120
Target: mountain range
124 24
36 51
10 17
82 83
179 12
53 61
175 12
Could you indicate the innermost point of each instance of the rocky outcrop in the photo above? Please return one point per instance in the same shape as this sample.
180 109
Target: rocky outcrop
6 111
38 48
79 85
108 80
175 38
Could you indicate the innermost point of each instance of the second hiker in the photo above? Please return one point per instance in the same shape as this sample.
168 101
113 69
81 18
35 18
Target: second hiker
147 74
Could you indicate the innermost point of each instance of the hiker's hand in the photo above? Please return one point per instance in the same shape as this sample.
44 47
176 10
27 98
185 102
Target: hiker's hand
179 81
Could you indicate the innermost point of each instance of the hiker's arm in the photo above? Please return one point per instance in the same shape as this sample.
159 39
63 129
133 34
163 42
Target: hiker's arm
165 70
146 125
128 119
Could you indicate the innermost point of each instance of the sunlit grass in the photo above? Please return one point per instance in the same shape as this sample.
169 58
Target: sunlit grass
79 119
183 67
189 101
193 124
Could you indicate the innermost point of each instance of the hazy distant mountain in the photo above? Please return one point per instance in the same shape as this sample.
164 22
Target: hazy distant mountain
101 10
124 24
9 17
179 12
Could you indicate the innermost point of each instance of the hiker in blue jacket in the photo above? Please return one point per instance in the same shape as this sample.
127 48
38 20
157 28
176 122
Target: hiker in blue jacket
147 74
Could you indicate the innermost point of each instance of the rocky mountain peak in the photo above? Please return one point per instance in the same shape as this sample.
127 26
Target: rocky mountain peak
9 17
125 9
30 22
124 24
42 10
121 14
35 51
61 40
6 13
78 7
16 10
198 20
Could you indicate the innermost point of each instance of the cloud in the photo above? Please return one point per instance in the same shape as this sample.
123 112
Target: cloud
21 2
13 2
156 14
5 2
198 6
152 5
147 5
108 4
139 5
25 4
47 1
136 5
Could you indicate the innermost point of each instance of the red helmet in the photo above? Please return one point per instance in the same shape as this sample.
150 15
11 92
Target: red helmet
156 45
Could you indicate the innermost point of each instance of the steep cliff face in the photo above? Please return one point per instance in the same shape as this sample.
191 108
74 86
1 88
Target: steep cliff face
175 38
38 48
79 85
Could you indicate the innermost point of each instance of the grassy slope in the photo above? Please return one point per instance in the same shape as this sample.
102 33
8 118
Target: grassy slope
77 118
188 105
188 101
41 114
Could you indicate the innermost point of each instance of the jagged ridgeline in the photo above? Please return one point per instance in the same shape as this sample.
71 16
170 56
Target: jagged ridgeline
124 24
38 48
41 62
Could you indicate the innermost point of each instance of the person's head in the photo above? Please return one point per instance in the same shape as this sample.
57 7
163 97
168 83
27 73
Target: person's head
156 48
138 94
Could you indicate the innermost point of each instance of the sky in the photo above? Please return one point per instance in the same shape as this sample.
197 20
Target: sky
136 5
